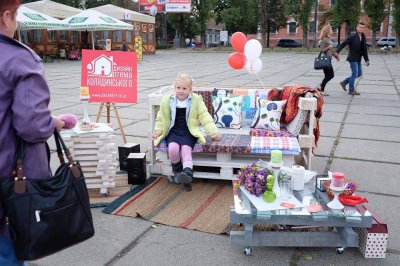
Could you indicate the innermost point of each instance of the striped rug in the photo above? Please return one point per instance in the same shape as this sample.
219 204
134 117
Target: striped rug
121 187
205 208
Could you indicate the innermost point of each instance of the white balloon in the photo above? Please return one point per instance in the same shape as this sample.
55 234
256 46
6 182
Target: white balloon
252 49
254 67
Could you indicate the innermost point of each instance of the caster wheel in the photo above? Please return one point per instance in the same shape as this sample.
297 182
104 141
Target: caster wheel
247 251
340 250
105 194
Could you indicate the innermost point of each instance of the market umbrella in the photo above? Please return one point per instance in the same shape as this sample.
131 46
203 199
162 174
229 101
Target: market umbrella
29 19
92 20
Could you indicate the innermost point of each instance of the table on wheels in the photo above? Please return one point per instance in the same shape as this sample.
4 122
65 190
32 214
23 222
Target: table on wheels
330 229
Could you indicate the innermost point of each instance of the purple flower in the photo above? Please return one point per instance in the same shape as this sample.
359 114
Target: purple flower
253 179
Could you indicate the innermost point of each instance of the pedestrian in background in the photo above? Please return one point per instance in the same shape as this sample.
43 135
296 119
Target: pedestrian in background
326 46
357 48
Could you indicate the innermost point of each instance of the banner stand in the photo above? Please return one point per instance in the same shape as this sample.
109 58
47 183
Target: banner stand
108 105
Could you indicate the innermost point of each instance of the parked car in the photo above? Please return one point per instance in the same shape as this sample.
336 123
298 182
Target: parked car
288 43
386 41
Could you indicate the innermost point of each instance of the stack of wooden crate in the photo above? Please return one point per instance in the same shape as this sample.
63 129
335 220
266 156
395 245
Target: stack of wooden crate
96 150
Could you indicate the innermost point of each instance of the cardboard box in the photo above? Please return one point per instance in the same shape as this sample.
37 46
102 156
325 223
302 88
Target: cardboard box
372 241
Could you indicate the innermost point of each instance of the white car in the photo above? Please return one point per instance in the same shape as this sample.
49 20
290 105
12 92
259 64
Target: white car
386 41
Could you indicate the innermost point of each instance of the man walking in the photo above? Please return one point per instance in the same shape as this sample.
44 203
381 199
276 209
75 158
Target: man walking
357 48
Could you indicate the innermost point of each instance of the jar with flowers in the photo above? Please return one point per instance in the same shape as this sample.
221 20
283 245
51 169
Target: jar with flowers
253 179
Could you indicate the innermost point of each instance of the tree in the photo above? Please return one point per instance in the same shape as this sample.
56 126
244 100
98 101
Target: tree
241 16
300 10
396 20
346 11
95 3
220 6
178 22
375 10
272 14
202 10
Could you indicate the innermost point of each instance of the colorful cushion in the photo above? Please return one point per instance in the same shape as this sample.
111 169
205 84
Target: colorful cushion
268 114
296 124
227 111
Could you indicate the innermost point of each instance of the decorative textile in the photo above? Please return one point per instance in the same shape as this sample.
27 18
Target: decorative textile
227 111
258 132
205 208
245 144
266 145
206 99
221 92
268 114
297 123
291 93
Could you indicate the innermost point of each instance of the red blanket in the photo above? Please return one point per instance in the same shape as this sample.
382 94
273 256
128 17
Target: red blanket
291 93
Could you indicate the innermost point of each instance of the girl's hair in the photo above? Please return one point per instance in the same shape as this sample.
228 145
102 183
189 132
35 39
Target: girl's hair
11 5
186 77
325 31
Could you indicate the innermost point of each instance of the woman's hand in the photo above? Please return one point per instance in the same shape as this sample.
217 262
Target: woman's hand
156 135
216 138
59 123
336 55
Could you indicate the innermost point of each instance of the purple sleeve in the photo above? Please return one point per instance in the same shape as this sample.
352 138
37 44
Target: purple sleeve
31 115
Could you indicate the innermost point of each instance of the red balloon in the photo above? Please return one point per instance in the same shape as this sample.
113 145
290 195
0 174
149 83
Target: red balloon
236 60
238 41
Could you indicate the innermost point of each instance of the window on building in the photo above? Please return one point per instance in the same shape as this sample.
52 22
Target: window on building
311 27
63 36
117 36
74 37
105 35
37 36
128 36
144 37
151 37
274 28
291 27
24 36
51 36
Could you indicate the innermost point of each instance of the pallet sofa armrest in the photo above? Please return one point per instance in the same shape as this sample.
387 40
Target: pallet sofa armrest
307 139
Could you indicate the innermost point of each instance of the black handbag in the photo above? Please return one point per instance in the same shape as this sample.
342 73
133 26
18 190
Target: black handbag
47 215
322 61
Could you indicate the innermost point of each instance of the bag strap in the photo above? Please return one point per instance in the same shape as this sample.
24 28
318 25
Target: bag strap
20 178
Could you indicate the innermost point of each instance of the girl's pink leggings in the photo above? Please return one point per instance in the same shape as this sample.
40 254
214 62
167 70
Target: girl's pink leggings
176 152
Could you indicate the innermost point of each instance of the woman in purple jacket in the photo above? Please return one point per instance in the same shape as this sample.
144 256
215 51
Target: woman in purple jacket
24 112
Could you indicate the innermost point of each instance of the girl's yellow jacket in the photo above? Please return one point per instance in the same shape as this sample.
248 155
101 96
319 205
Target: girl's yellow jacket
198 113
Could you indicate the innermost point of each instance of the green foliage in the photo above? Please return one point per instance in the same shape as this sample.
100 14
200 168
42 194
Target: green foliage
396 18
347 11
95 3
221 5
241 16
300 10
272 13
375 10
203 11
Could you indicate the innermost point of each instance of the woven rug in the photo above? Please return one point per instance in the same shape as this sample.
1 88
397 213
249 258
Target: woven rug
206 208
121 187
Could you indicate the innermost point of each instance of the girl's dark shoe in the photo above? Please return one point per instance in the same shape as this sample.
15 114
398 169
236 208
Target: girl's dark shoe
186 178
177 169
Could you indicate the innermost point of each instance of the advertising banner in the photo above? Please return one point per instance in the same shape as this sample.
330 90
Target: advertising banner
169 6
110 76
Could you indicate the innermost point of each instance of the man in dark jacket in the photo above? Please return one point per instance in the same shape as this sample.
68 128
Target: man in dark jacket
357 49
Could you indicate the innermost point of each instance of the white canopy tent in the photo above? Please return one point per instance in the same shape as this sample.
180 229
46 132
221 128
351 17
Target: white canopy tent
92 20
29 19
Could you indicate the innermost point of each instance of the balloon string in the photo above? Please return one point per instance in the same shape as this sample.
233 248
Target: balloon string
262 84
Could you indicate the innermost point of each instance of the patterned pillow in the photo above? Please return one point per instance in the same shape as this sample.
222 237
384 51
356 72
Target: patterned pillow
268 114
227 111
296 124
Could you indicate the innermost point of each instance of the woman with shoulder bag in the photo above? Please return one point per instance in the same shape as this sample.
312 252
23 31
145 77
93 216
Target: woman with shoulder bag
326 46
24 113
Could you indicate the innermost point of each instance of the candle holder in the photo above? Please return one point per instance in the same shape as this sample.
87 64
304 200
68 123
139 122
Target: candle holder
85 124
335 204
